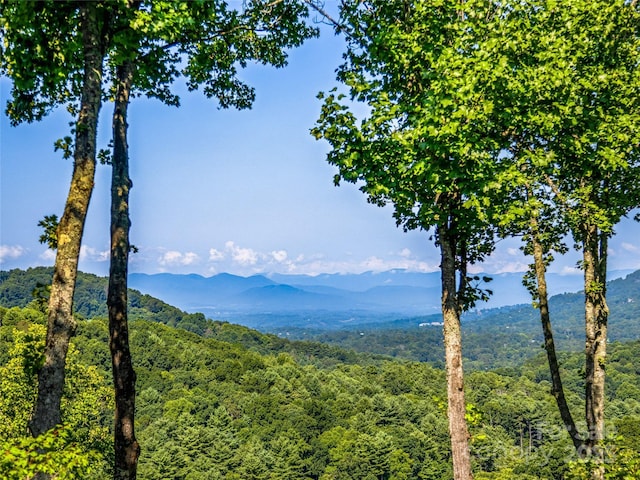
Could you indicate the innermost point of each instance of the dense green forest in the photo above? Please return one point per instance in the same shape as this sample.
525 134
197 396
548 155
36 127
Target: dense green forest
20 287
515 329
227 402
474 122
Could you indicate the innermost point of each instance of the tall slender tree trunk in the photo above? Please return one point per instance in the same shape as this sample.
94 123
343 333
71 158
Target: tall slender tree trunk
458 430
127 449
549 344
596 318
61 324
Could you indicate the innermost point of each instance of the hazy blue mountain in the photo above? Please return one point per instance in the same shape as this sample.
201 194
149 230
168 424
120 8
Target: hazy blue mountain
337 314
402 291
285 298
193 290
498 337
411 299
328 300
363 281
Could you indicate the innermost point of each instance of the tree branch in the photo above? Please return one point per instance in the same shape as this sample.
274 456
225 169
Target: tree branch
315 5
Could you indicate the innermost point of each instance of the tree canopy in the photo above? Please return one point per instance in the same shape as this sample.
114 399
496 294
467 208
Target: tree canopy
478 117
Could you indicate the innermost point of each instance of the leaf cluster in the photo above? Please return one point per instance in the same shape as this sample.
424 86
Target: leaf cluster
424 143
80 447
40 45
476 119
50 235
570 108
206 42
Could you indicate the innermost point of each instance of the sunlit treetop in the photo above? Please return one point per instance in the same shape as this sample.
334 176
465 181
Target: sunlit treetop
206 42
427 141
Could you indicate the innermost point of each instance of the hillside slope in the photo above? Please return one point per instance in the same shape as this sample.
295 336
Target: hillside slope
213 409
17 287
492 338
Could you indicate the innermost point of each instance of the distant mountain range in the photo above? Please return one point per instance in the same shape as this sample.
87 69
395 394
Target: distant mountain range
515 328
283 303
499 337
357 298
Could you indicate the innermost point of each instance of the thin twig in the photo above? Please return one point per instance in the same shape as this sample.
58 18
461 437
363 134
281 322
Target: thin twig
314 4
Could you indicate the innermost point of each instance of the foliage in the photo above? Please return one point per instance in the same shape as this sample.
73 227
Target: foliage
426 143
208 43
39 47
17 286
209 408
620 463
516 329
54 452
50 226
55 54
216 38
567 99
74 449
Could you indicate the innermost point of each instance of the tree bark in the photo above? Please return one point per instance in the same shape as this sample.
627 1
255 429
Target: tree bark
596 318
549 345
61 324
451 309
126 447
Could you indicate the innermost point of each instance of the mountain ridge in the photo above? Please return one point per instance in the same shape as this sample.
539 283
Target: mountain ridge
398 292
515 328
386 300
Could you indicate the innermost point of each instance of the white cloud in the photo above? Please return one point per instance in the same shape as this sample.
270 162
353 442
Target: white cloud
190 258
215 255
48 255
11 251
170 257
87 253
629 247
507 259
90 253
240 255
279 256
375 264
567 270
317 265
241 260
175 258
500 264
511 267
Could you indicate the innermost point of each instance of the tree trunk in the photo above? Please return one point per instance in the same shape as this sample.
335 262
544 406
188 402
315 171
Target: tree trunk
458 430
61 324
596 317
549 345
126 447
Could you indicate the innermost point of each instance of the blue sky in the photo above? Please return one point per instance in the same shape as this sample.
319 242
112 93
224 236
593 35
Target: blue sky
229 191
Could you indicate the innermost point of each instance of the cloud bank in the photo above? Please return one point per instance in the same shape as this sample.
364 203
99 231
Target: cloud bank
11 251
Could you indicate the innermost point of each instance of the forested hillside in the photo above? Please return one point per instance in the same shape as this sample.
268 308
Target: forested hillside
18 288
493 338
223 401
213 409
496 338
